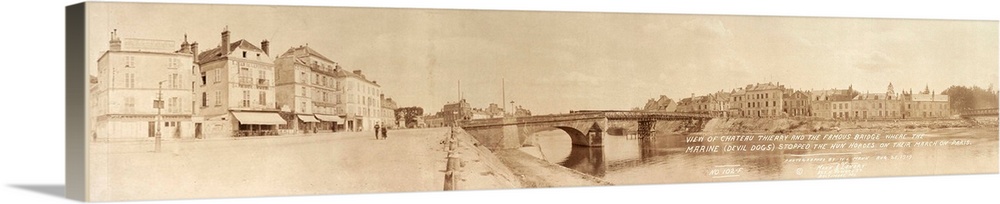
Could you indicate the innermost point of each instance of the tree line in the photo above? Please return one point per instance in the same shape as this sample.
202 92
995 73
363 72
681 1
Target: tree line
966 98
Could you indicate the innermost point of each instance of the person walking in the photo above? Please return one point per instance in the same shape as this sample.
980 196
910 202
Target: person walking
376 131
384 136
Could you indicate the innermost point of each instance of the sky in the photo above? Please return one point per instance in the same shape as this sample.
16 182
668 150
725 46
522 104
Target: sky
554 62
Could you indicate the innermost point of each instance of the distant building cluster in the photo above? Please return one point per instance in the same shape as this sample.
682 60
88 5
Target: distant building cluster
767 100
461 110
235 89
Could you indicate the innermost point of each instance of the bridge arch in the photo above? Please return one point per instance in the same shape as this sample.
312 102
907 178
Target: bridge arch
576 136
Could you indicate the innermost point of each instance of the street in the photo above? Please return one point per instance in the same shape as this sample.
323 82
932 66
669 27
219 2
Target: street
325 163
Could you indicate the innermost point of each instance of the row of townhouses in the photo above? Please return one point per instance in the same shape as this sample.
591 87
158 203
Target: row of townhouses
764 100
462 110
234 89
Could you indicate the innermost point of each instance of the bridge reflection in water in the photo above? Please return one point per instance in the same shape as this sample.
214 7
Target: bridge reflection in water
664 160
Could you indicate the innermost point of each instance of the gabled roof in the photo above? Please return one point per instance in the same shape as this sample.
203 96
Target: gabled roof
216 53
305 51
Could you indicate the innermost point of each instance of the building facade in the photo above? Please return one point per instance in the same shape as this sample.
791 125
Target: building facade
759 100
388 113
829 103
774 100
796 103
237 93
926 105
131 76
309 91
361 104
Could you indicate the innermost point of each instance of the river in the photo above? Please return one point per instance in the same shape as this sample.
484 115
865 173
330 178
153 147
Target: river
666 158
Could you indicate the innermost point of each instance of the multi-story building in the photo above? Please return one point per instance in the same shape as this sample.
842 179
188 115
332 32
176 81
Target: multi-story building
360 103
926 104
774 100
877 105
716 104
758 100
237 94
454 112
829 103
388 112
796 103
131 76
307 85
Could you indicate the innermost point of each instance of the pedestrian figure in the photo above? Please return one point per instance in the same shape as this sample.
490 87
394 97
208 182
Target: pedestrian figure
384 136
376 131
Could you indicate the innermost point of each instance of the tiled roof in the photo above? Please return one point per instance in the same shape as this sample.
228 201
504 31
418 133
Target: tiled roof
304 51
216 53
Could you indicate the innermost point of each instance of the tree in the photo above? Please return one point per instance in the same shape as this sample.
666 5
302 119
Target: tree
965 98
409 114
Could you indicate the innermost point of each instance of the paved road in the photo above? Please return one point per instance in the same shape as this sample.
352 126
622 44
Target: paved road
330 163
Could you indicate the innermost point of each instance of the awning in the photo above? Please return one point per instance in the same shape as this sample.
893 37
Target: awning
330 118
308 118
259 118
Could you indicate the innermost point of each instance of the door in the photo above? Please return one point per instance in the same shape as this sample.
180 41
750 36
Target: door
152 128
197 130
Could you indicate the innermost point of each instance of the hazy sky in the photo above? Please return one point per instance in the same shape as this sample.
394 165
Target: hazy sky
553 62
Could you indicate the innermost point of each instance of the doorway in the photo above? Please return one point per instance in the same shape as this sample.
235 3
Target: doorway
197 130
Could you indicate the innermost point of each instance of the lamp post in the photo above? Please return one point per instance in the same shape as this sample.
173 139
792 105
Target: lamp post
158 104
513 110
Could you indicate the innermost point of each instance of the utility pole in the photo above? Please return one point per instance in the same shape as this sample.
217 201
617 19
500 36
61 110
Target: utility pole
503 95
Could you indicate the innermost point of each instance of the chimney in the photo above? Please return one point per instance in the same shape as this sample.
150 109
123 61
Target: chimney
225 42
265 45
185 47
194 51
116 44
358 72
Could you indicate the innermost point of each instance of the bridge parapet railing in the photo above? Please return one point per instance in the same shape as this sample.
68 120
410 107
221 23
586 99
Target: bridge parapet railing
983 111
531 119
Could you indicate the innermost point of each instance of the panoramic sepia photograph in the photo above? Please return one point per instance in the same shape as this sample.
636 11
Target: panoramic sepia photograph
211 101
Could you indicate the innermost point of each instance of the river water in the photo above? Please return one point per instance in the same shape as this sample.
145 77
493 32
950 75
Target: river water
666 158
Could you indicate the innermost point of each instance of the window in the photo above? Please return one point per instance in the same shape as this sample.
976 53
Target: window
204 99
218 98
324 97
244 54
218 75
303 91
173 105
304 77
263 98
175 81
245 77
174 63
129 104
303 107
130 61
262 78
129 80
246 99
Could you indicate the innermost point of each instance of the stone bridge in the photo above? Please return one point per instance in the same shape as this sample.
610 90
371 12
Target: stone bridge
585 128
